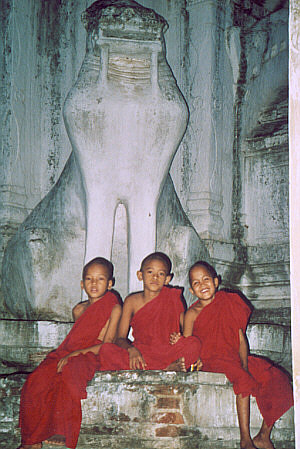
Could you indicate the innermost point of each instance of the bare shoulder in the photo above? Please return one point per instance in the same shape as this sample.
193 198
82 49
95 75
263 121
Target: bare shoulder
133 298
78 310
133 303
193 311
116 310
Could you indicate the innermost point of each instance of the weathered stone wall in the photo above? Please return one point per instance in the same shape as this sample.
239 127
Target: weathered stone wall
32 340
263 160
227 57
294 139
42 47
152 410
229 184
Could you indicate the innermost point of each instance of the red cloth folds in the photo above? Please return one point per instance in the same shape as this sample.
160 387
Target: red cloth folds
152 326
217 326
50 401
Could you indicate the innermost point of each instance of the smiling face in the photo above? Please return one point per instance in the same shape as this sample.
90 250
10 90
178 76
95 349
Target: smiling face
203 285
154 275
96 282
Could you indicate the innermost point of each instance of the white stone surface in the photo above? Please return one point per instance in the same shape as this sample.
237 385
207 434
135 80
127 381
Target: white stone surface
32 340
267 71
125 118
294 111
26 343
43 50
205 401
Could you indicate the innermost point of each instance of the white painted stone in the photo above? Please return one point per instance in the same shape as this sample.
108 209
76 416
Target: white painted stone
125 121
200 33
26 343
123 410
233 48
200 170
294 111
127 403
42 47
125 117
271 341
43 261
272 67
32 340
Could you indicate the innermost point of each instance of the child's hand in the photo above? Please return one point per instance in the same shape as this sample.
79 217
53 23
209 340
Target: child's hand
64 360
174 337
62 363
136 360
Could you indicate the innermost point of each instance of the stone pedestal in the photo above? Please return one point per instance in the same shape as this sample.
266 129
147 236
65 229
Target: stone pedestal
152 410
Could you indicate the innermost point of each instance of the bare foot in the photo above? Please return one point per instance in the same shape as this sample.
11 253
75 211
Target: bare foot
247 445
262 442
56 440
178 365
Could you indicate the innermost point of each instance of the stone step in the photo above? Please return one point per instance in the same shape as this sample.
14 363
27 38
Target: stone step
34 339
151 410
155 410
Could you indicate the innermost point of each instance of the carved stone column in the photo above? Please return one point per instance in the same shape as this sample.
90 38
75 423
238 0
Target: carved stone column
207 146
12 112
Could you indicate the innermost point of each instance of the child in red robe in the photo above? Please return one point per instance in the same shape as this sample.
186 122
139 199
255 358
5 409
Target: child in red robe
219 320
50 408
153 314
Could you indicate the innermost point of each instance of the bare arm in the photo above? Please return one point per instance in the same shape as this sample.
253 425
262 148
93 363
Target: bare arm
188 323
62 362
243 350
136 360
78 310
181 321
188 326
175 336
109 337
111 332
124 325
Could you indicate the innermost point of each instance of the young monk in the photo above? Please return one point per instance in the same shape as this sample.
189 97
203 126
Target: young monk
153 314
50 408
219 320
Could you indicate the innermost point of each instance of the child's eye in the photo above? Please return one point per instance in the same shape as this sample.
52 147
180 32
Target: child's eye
161 274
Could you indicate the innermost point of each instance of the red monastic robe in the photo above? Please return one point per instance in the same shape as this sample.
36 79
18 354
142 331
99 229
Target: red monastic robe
152 326
50 401
217 326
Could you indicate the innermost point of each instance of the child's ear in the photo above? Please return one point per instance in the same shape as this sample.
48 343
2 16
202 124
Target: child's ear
139 275
110 284
191 290
169 278
216 282
81 285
